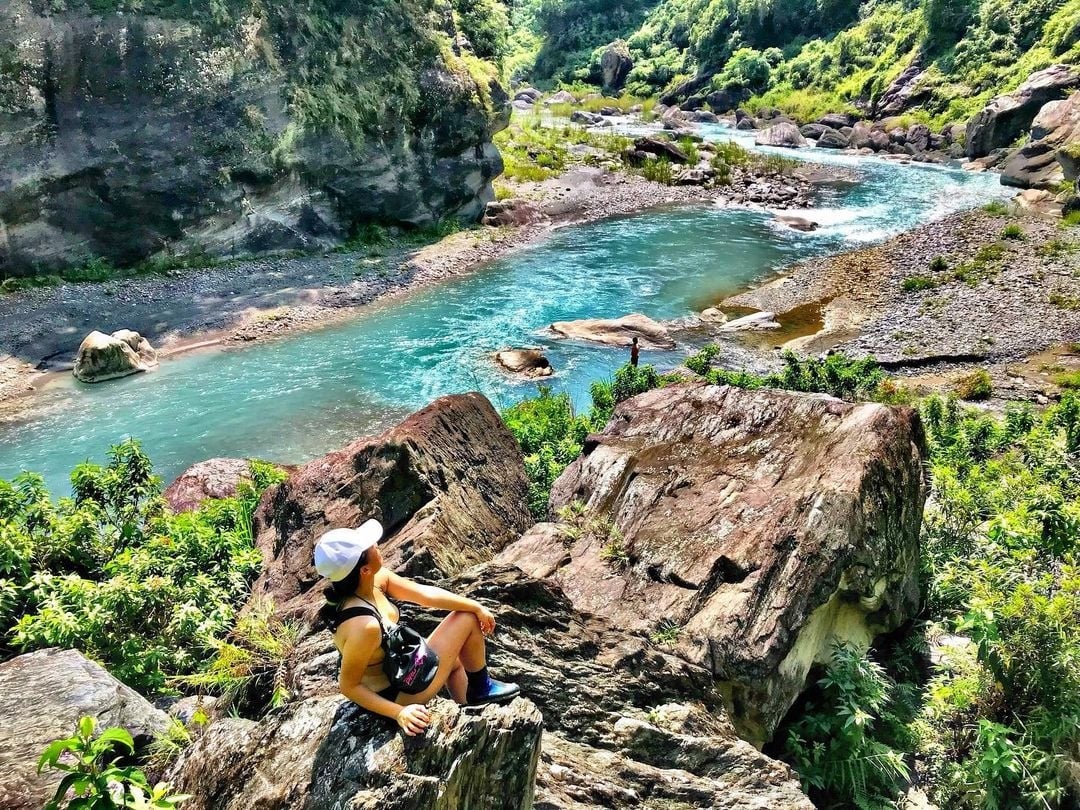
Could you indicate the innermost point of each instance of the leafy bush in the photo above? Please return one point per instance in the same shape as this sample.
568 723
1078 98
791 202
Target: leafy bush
1012 231
658 171
834 744
93 777
997 208
974 386
112 572
918 283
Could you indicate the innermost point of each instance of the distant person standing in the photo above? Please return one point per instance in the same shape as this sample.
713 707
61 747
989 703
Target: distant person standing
634 353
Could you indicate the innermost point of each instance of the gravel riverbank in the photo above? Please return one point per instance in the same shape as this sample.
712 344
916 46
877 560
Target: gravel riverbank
951 294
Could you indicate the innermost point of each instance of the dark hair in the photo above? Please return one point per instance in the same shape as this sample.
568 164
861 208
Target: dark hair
342 589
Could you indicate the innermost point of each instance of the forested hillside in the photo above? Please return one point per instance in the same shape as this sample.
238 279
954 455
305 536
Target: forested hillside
808 56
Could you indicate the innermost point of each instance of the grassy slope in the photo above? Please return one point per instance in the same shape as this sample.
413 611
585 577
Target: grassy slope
831 54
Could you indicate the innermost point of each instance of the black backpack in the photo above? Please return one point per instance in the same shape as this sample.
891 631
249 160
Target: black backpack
409 663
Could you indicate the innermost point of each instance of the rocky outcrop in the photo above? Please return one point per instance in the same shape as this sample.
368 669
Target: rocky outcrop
42 696
615 65
560 97
783 134
661 148
832 139
758 526
905 92
628 723
617 331
213 478
1009 116
514 212
126 136
105 357
325 753
1045 161
448 485
526 362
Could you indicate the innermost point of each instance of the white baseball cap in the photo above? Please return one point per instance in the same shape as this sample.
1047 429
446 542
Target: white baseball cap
339 550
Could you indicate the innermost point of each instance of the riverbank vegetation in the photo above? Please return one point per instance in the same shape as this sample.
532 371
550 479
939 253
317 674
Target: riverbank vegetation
978 699
805 58
112 572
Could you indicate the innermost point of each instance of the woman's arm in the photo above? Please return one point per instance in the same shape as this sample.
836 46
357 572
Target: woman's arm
360 643
400 587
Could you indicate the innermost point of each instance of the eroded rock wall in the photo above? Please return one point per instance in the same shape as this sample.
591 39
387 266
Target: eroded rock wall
244 129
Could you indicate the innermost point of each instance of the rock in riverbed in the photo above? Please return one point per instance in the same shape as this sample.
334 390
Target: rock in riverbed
106 357
765 524
213 478
617 331
757 321
526 362
796 223
783 134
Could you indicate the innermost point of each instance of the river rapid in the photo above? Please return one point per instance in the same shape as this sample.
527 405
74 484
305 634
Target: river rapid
290 399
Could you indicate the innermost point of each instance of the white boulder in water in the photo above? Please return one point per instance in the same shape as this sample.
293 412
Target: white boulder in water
105 357
617 331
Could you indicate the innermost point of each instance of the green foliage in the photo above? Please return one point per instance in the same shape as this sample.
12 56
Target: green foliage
835 745
551 435
835 374
997 208
748 69
974 386
999 560
93 779
112 572
939 264
918 283
658 171
1012 231
486 25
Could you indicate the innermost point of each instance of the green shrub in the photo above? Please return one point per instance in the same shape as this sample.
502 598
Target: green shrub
658 171
112 572
918 283
834 744
93 777
1012 231
997 208
974 386
939 264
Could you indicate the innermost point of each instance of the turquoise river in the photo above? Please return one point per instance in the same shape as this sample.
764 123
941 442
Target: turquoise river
291 399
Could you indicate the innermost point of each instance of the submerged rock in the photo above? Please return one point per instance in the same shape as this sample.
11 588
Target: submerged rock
105 357
795 223
783 134
42 696
765 525
618 331
1008 116
448 485
325 753
527 362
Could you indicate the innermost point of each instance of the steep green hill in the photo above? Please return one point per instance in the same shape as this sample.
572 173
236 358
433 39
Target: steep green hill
809 56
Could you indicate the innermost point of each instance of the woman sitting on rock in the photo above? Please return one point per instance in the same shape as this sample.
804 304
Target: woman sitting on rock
386 667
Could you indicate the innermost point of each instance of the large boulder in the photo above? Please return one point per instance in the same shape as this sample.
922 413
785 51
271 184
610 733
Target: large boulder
127 135
625 718
615 65
660 147
832 139
560 97
105 357
906 90
1008 116
783 134
213 478
1047 160
42 696
617 331
325 753
448 485
764 525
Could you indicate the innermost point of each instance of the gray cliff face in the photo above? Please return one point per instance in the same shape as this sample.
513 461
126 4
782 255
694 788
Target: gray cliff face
125 136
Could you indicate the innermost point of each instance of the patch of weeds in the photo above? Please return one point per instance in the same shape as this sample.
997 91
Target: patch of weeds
667 632
939 264
1068 379
917 283
997 208
975 386
615 552
1057 247
1065 300
1071 219
1012 231
658 171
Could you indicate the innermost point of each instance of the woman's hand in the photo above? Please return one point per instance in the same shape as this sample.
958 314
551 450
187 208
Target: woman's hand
413 719
486 619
